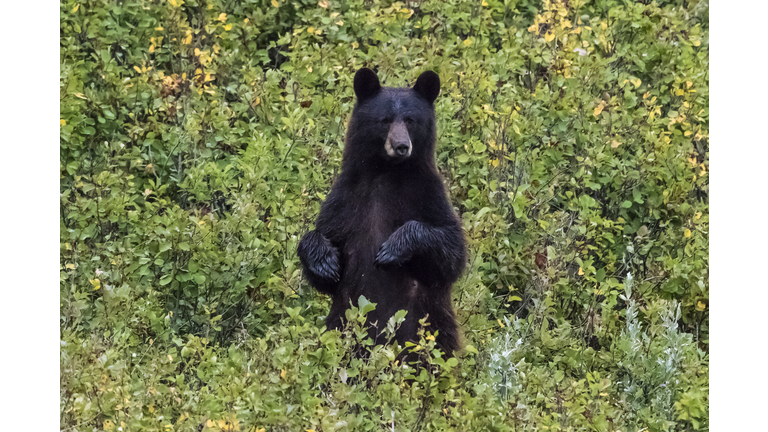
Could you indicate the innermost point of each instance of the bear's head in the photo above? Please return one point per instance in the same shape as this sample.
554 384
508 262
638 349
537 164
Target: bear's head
392 126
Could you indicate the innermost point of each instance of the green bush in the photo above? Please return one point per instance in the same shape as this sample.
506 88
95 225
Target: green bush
198 139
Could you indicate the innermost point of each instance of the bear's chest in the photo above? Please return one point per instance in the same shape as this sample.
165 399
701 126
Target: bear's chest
372 210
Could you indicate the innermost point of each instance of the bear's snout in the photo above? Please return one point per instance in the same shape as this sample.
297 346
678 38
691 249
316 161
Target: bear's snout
402 149
398 144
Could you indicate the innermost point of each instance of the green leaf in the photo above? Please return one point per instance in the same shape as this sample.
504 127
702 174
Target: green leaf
600 275
364 305
482 211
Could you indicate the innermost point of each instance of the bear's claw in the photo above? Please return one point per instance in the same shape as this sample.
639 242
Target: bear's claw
386 257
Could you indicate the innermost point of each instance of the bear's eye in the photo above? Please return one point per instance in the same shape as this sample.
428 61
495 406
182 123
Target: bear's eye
387 120
409 121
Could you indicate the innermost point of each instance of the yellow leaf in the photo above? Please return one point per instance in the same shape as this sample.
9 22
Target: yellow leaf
275 3
138 69
62 122
549 37
534 27
431 337
688 84
696 43
222 17
636 82
96 283
484 3
581 271
339 23
77 6
323 4
679 92
687 232
467 42
698 215
159 28
228 27
282 373
355 45
70 266
701 306
245 21
170 358
500 323
311 30
615 144
494 162
598 109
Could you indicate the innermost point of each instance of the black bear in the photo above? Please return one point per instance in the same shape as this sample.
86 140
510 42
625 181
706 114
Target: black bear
387 230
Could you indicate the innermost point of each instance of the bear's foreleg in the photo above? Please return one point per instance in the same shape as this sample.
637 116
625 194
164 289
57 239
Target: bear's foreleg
320 260
442 248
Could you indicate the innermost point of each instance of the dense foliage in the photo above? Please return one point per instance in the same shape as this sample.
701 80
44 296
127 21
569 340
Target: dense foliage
198 138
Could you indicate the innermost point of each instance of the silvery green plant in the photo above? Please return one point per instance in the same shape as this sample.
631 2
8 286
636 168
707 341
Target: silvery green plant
504 350
652 360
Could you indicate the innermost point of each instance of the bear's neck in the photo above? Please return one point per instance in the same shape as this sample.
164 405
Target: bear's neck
362 169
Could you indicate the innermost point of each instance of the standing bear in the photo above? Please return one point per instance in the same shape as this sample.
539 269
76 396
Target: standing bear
387 230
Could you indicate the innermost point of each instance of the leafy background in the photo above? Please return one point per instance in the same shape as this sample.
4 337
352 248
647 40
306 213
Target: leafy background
198 139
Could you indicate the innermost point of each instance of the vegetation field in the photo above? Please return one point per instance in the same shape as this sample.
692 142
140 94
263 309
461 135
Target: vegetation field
199 138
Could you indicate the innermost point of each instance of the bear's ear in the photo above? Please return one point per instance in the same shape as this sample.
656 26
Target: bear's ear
366 84
428 86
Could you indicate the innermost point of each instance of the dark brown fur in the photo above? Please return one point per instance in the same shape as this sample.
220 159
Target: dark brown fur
387 230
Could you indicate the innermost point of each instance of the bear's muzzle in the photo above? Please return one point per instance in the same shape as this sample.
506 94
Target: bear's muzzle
398 144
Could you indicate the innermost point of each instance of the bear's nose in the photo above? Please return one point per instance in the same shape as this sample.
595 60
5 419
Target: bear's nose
401 149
